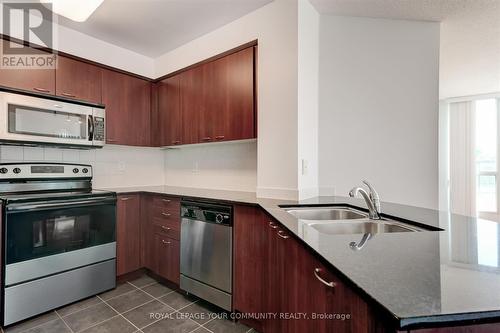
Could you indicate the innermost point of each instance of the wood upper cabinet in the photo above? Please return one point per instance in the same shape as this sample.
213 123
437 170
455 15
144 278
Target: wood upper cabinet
78 80
227 93
169 112
128 241
35 80
192 104
233 108
128 109
211 102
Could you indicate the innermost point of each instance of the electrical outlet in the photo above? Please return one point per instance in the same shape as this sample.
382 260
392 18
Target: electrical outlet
196 168
121 166
305 167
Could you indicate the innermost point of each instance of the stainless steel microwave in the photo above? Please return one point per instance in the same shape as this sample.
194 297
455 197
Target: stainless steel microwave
40 121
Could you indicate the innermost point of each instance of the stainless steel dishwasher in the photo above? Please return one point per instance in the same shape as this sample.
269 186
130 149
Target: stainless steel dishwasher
206 251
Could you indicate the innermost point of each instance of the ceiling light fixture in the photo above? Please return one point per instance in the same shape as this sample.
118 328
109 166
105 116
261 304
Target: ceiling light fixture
78 11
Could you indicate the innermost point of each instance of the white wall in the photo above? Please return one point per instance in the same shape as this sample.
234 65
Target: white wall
275 27
308 85
114 166
81 45
470 52
378 117
228 166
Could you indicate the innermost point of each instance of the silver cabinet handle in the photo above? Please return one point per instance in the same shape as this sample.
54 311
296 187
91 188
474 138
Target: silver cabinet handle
68 94
165 200
328 284
41 90
125 199
272 225
110 140
282 234
165 242
165 228
165 214
219 137
206 139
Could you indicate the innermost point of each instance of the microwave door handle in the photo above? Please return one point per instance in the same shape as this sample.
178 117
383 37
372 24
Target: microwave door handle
59 204
91 127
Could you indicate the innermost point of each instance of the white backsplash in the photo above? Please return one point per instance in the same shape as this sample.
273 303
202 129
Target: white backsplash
226 166
114 166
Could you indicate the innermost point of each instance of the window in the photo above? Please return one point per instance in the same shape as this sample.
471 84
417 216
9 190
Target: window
485 154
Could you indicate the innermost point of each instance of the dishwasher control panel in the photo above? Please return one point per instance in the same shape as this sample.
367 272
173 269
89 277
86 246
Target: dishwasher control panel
207 212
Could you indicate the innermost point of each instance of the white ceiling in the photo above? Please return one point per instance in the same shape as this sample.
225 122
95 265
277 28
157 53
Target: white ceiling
154 27
422 10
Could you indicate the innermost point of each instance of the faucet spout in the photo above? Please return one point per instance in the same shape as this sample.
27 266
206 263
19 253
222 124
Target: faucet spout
373 205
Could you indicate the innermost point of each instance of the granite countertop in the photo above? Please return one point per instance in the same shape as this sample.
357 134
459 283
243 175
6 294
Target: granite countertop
421 278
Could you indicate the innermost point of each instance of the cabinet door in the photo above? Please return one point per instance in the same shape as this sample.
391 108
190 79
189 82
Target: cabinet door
231 107
128 245
138 97
128 109
250 255
169 112
191 104
78 80
167 253
37 80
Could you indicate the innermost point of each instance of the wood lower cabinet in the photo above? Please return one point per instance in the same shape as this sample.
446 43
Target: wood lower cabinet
167 253
275 273
128 109
35 80
78 80
160 235
128 230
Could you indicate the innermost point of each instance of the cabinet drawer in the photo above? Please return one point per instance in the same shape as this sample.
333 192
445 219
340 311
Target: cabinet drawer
173 204
167 228
166 213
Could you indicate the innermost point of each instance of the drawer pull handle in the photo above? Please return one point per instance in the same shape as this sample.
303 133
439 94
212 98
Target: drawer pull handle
328 284
41 90
282 234
68 94
206 139
273 225
176 142
165 200
110 140
125 199
165 228
219 137
165 214
165 242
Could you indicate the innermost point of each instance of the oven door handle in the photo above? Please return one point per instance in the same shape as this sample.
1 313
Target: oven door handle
61 204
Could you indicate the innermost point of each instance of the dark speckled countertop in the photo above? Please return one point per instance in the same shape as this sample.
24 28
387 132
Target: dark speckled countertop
423 278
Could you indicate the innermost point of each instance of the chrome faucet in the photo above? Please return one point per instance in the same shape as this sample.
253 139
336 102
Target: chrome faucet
372 200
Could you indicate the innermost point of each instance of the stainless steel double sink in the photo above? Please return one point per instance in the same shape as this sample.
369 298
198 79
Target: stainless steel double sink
346 220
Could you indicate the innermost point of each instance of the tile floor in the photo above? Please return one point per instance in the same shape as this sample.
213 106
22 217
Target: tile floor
140 305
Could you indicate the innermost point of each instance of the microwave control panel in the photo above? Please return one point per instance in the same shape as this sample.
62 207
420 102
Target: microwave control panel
98 129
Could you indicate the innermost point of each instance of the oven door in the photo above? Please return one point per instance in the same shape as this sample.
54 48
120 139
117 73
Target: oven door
46 237
39 120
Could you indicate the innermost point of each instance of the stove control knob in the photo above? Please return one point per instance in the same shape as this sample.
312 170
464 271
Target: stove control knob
85 170
75 170
17 170
3 170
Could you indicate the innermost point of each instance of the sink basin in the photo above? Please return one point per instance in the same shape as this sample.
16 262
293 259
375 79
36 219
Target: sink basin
361 227
325 213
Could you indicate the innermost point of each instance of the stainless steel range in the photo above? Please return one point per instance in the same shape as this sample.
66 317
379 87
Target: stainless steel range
58 237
